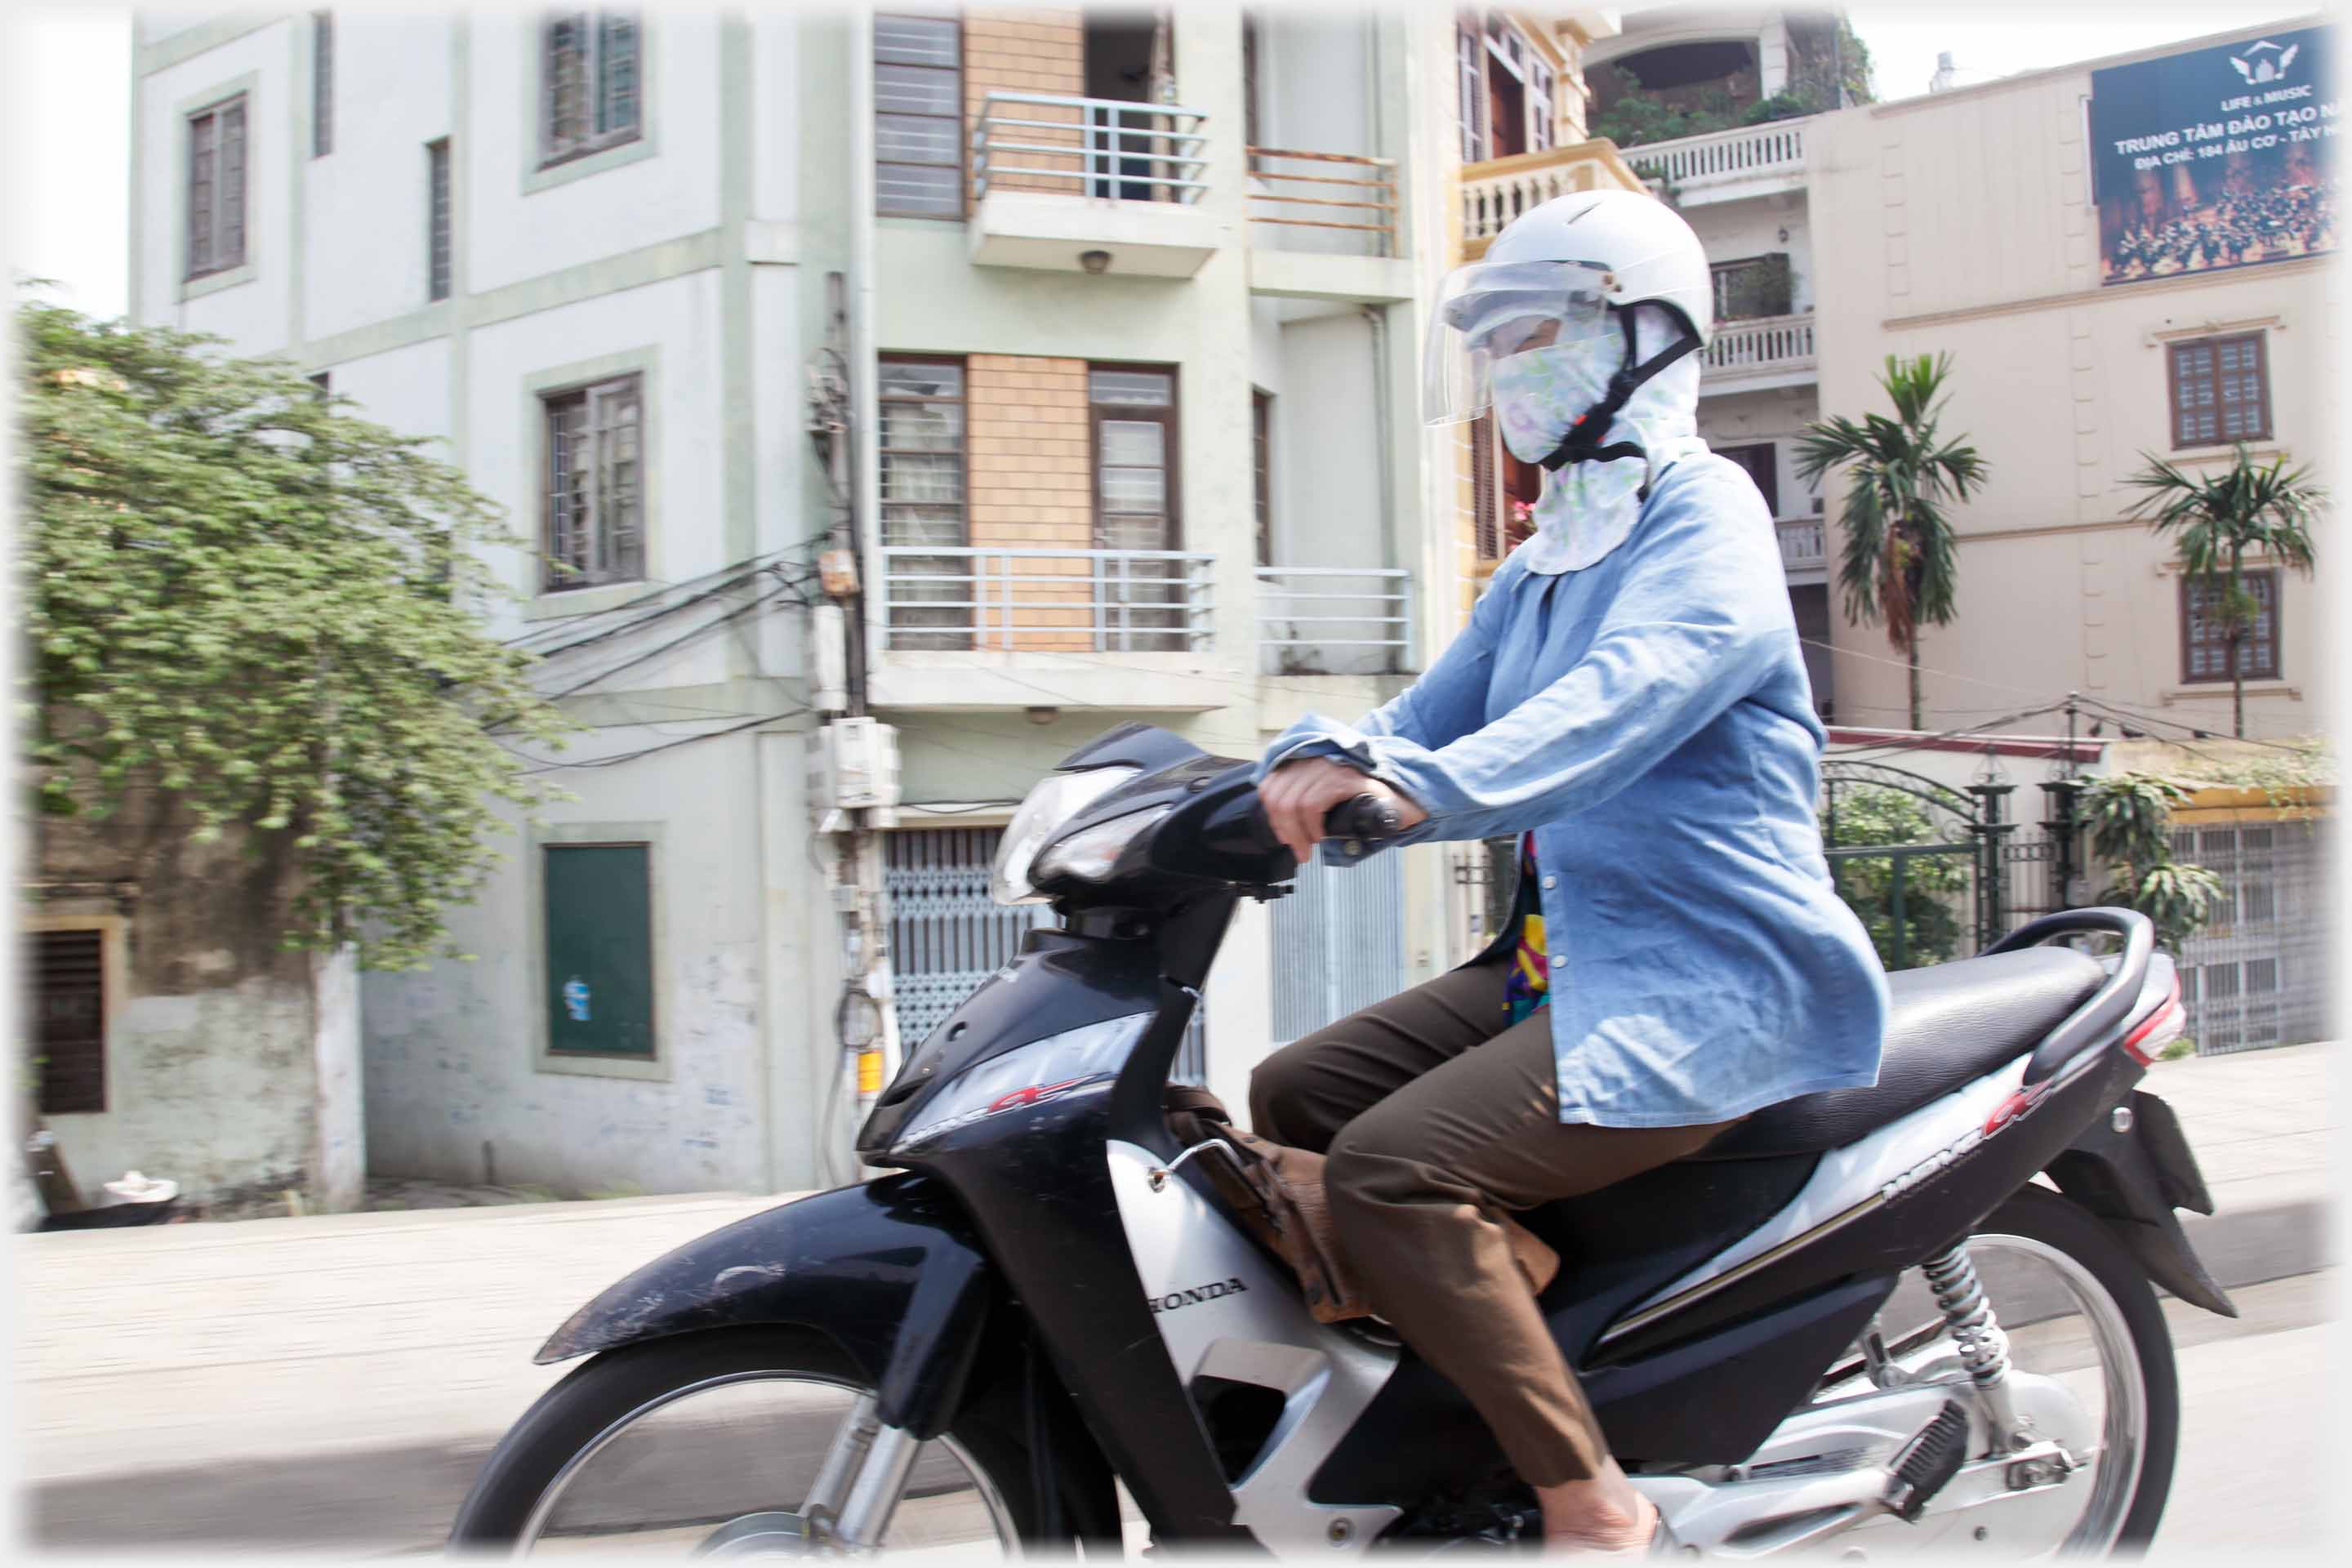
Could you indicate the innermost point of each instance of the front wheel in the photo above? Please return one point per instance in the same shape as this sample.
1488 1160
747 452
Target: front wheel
711 1444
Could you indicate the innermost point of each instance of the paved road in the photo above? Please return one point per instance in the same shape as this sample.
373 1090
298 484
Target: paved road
331 1382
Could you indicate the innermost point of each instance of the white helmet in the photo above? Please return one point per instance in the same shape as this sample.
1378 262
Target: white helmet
1553 276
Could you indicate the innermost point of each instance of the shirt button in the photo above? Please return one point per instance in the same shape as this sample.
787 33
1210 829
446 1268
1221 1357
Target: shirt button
1551 881
1557 960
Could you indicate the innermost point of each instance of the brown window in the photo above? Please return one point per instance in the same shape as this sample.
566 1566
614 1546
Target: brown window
437 223
1763 465
919 116
1250 134
2220 391
216 153
2205 630
67 1004
591 96
1134 419
923 472
594 514
1261 417
322 83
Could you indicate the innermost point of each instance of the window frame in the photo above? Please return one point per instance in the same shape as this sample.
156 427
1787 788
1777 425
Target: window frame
2173 351
440 221
216 109
963 440
2274 644
554 153
1171 463
925 636
1470 90
111 931
552 584
961 120
322 83
1262 464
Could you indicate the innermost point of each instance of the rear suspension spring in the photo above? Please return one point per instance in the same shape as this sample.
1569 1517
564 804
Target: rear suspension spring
1976 1334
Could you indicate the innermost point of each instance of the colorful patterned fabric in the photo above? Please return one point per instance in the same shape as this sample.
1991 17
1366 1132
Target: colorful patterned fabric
1528 986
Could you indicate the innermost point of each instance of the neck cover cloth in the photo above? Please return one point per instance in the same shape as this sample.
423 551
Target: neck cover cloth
1590 503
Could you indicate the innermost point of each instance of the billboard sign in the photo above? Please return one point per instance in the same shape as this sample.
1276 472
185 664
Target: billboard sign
2216 158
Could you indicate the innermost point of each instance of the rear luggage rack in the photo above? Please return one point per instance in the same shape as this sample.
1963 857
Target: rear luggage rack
2110 1007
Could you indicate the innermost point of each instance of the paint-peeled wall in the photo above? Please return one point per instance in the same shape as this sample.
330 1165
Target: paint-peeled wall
213 1057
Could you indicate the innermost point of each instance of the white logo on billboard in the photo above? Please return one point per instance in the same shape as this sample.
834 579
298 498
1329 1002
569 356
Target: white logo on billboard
2260 69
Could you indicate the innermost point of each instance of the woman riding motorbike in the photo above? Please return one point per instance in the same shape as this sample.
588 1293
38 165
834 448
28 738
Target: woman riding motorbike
1631 698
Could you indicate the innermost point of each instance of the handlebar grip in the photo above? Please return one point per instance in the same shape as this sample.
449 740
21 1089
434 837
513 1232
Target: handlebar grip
1367 819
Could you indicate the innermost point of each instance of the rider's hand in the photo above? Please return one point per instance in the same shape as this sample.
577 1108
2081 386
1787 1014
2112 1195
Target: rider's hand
1299 794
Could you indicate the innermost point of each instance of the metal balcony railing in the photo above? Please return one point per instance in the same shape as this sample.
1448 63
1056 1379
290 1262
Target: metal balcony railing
1104 147
1306 611
1767 345
1045 600
1804 544
1690 164
1358 198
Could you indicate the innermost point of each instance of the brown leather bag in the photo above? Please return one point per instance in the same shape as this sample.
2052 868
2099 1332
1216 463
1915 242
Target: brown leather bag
1277 1192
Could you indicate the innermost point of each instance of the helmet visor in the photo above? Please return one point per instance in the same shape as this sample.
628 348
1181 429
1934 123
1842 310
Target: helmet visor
1487 311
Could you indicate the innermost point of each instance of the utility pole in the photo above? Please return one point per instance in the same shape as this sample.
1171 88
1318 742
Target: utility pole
853 758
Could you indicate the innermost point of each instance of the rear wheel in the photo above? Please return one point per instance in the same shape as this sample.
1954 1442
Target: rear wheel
2090 1368
711 1445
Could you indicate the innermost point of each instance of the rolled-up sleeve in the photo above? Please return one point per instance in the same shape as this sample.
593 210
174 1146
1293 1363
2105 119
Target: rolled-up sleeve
1684 637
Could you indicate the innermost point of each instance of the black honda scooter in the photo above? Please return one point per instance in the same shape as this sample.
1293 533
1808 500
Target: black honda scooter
1856 1320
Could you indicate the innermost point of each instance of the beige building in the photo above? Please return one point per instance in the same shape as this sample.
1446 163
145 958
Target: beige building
1965 225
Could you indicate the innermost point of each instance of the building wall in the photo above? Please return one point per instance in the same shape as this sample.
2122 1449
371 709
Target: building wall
1036 51
213 1054
1981 201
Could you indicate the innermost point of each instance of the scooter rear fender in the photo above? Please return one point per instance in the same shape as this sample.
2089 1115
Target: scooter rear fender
890 1270
2132 1176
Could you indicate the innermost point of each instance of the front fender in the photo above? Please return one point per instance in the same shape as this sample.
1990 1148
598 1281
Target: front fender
890 1270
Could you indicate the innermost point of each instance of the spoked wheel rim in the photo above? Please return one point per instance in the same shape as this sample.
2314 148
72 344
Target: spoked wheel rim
776 1530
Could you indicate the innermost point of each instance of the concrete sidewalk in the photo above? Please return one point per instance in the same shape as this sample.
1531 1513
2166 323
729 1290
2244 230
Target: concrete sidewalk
333 1382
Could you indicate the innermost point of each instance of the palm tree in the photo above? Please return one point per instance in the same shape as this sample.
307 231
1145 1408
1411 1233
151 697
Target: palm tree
2217 522
1898 563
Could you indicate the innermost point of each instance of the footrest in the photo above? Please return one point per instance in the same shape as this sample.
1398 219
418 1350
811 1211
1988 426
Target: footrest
1929 1462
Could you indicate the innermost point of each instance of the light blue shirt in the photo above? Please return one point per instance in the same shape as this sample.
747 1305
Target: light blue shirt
1650 718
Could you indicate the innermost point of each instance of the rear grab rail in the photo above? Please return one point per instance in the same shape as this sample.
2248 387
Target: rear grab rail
2110 1007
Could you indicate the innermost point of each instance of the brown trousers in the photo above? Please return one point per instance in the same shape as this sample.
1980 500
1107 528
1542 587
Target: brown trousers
1436 1114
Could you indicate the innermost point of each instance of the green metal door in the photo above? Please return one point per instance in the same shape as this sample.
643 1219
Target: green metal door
600 945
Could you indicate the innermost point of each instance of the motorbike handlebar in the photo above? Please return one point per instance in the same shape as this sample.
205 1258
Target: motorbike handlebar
1367 819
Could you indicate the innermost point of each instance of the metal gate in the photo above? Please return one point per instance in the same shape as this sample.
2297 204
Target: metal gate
947 935
1338 944
2256 973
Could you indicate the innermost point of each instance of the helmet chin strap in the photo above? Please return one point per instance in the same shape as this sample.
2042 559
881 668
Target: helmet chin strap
1583 442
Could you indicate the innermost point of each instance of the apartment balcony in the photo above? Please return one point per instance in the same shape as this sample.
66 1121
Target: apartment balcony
1804 549
1323 226
1059 182
1333 620
1017 628
1759 354
1725 165
1498 190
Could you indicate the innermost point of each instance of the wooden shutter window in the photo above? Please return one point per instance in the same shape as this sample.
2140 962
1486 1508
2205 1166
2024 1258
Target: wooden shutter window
217 162
322 83
2205 634
919 129
67 1025
1486 533
592 90
2220 390
437 237
595 505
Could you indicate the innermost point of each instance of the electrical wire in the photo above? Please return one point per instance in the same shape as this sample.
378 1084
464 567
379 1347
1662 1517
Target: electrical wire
679 641
615 761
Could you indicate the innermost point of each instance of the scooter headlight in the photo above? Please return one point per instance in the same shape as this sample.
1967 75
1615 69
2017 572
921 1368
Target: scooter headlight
1081 1061
1089 855
1054 802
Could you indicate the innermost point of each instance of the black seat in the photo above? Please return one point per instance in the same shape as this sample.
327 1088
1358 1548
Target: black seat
1949 1024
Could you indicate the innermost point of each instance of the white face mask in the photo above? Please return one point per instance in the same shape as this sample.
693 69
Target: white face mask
1590 504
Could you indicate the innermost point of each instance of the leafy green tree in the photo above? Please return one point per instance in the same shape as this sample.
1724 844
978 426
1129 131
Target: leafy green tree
2216 521
1898 565
2130 815
1933 884
241 595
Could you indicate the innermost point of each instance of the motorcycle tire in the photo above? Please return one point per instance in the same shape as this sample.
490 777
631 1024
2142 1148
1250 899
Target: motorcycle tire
2040 1215
580 1409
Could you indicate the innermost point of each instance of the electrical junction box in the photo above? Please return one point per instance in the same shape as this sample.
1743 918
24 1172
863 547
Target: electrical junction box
853 765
